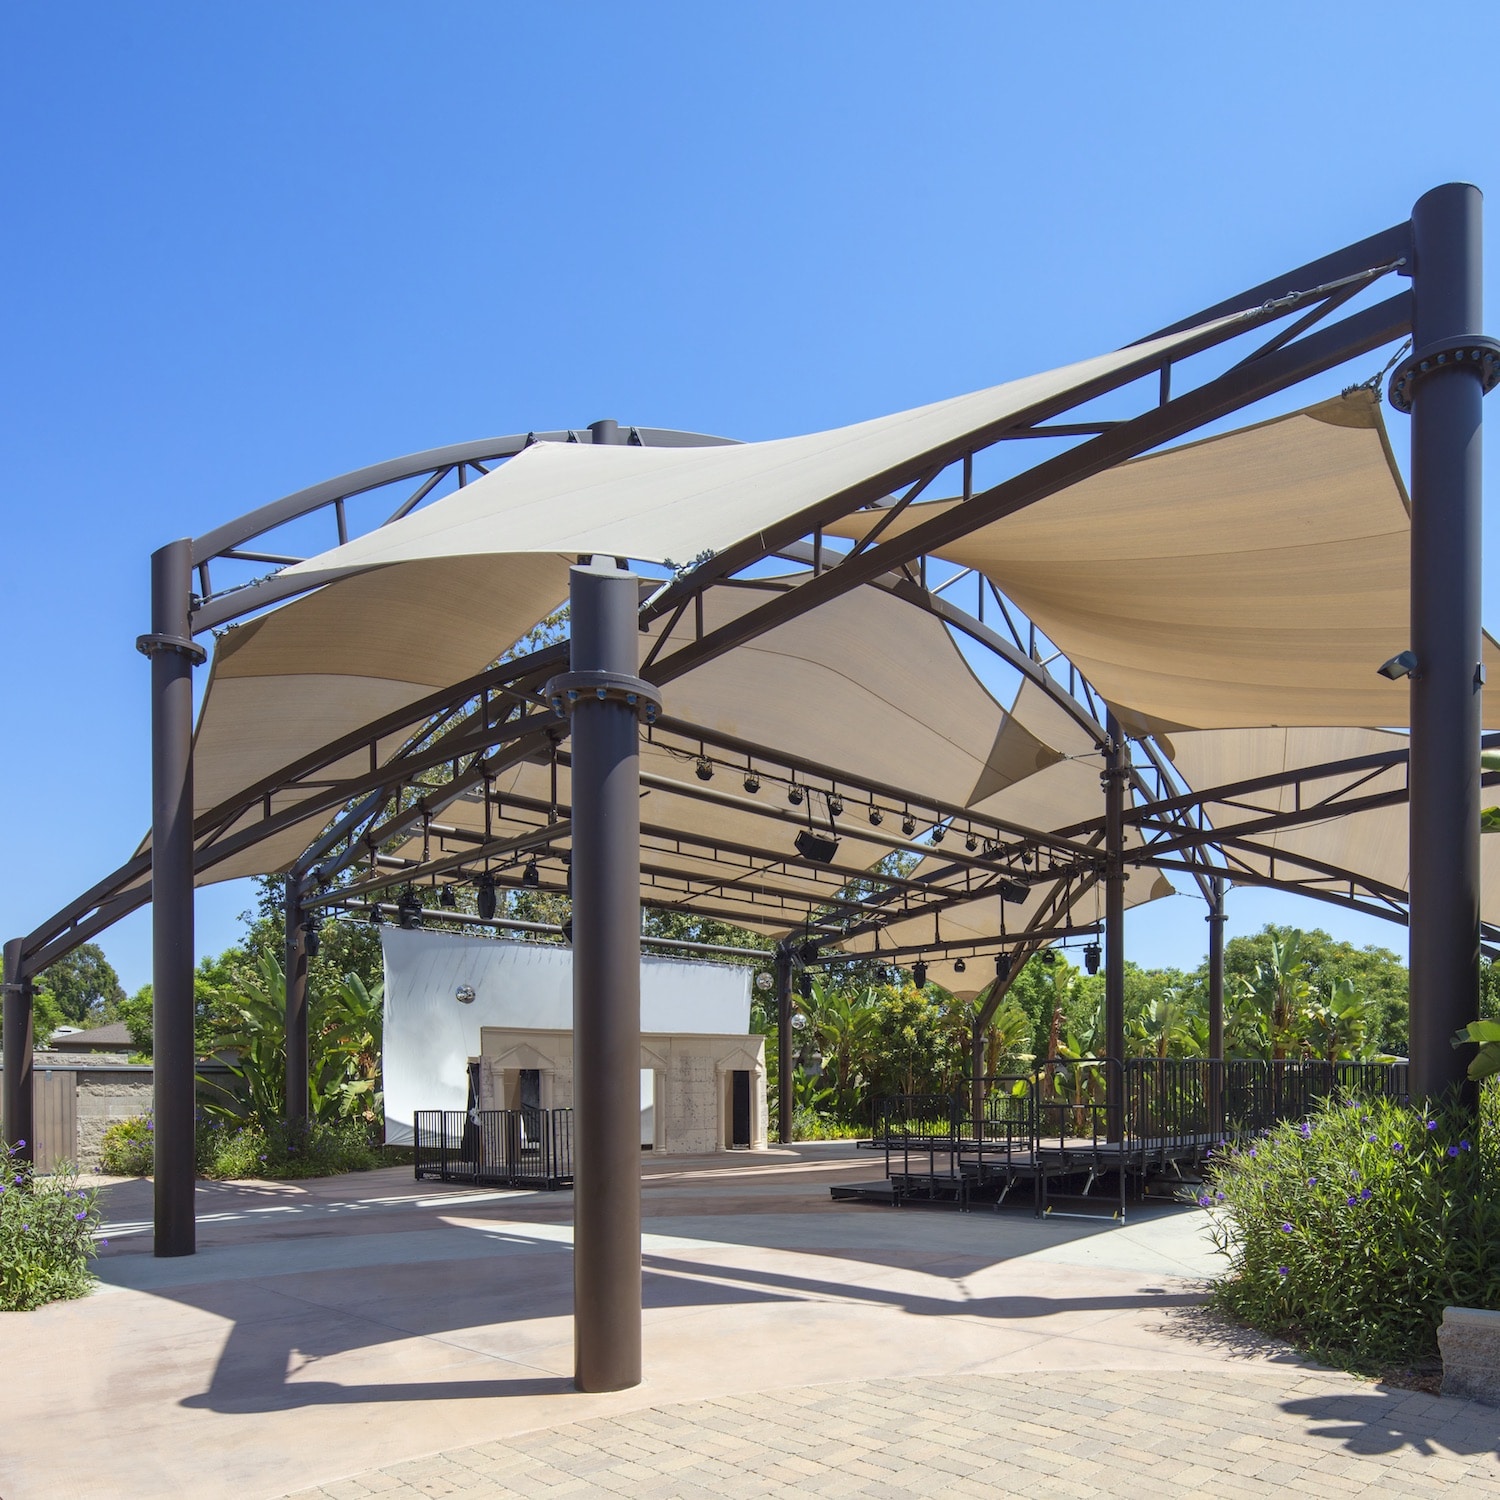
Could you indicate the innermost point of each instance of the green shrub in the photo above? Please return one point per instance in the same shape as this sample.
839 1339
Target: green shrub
810 1126
227 1149
1351 1231
46 1235
127 1148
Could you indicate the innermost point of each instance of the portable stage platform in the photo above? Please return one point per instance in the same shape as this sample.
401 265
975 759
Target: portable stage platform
1143 1127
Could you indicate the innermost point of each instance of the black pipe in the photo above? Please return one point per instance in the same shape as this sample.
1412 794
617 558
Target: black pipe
1116 774
173 654
786 1096
1216 1008
17 1105
1446 687
297 1053
606 988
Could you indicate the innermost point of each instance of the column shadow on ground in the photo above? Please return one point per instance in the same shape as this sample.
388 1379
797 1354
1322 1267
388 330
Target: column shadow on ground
1389 1419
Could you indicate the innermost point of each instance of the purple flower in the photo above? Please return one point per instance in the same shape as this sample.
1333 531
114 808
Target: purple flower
1252 1153
1351 1200
1371 1139
1355 1176
1432 1124
1281 1270
1366 1193
1397 1146
103 1242
19 1144
80 1217
1305 1131
149 1125
1219 1196
1204 1200
1287 1227
1464 1146
19 1179
1312 1182
1452 1150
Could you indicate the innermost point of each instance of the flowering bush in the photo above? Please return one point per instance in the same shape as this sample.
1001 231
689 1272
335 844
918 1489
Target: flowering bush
126 1148
46 1235
1352 1231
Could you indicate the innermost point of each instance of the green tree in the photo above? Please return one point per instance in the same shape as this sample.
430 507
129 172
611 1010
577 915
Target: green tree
83 985
46 1017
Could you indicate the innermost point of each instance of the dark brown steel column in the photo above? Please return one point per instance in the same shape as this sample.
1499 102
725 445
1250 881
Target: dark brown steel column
296 1004
173 655
606 987
17 1107
1116 772
1216 1009
786 1095
1446 686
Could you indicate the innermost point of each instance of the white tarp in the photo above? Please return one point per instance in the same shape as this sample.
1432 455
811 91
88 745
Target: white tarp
430 1035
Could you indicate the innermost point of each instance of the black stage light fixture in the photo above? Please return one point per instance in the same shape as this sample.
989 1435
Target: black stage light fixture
794 795
835 805
531 876
704 768
1014 891
312 942
939 833
875 816
908 825
752 782
804 985
1025 854
1403 664
959 966
446 898
1091 958
971 843
409 909
820 848
372 910
808 953
1002 966
484 889
1048 957
919 973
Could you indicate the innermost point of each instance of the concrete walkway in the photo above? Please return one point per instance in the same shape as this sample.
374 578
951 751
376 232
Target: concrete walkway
330 1338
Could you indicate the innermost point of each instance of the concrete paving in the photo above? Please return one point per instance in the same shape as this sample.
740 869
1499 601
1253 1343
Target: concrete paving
370 1334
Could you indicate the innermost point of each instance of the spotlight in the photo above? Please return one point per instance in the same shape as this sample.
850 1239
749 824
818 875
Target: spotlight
919 973
1090 958
835 805
971 843
311 941
446 898
908 825
820 848
794 795
409 909
1025 856
805 985
1014 891
959 966
752 782
875 816
372 910
531 876
939 833
704 769
808 953
1002 966
485 896
1403 664
1048 957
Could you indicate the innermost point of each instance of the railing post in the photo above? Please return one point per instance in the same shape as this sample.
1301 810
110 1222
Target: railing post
785 1092
603 693
1116 773
18 1104
1216 1009
173 655
1444 383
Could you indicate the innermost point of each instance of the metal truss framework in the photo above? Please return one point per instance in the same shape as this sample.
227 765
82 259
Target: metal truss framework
457 741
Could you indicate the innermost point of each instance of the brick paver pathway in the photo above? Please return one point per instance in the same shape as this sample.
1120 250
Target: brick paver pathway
1066 1434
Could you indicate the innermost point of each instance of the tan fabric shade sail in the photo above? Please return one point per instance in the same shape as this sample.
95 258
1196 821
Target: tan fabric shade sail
1257 578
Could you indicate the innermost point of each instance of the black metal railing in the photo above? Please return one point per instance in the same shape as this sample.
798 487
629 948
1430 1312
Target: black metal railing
920 1134
526 1147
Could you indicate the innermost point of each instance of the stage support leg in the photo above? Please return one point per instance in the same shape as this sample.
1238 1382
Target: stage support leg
1446 686
606 985
173 656
1116 773
17 1107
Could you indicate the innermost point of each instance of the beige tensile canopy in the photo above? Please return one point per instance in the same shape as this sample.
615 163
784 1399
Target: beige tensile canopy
1250 580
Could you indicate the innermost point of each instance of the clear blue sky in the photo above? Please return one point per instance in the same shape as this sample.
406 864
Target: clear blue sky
249 247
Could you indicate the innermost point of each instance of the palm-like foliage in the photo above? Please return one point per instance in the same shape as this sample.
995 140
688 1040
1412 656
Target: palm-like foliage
1280 989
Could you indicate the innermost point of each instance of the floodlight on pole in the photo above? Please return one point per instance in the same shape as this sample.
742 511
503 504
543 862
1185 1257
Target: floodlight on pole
1402 664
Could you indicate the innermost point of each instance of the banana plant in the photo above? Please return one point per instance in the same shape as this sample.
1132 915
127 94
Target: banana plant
1486 1036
